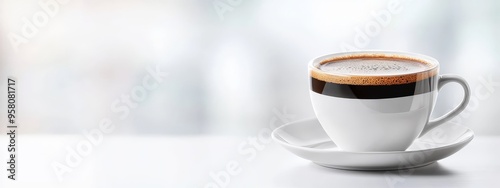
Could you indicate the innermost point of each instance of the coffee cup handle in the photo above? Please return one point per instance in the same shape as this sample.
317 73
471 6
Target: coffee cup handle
444 79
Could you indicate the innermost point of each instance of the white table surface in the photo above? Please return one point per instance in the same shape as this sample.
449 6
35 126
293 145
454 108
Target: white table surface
186 161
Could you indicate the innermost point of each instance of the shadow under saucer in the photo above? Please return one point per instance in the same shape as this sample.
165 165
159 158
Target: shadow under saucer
432 169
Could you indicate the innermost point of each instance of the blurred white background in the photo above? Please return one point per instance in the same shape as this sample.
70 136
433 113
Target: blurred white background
231 66
234 68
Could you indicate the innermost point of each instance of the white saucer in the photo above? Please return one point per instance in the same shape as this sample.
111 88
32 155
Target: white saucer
307 139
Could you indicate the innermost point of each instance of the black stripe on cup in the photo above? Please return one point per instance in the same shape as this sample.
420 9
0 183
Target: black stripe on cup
372 91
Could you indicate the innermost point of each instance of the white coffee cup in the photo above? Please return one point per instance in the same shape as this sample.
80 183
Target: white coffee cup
369 101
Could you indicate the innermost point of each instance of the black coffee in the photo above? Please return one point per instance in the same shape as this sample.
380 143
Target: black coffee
373 76
376 66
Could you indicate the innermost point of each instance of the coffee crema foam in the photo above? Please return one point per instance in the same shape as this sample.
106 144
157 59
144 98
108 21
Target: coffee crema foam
373 69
